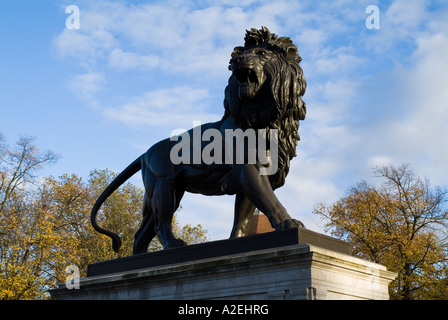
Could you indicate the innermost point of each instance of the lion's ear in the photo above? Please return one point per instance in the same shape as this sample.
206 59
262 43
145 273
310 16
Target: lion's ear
291 54
237 51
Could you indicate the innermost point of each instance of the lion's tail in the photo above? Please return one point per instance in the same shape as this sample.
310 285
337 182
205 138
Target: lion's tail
133 168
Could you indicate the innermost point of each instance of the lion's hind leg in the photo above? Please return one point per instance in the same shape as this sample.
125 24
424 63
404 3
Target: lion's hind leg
165 202
146 232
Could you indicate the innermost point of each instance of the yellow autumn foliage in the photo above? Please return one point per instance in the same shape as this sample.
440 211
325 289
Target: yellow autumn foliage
402 224
45 223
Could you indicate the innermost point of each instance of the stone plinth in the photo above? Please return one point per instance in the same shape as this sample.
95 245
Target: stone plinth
219 249
296 271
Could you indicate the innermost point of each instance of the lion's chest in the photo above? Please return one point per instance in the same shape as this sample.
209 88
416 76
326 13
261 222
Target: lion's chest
210 180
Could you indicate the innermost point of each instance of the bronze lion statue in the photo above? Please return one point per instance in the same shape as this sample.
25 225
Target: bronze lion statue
264 94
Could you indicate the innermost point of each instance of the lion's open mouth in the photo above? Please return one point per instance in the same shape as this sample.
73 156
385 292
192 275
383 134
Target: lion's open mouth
248 83
247 76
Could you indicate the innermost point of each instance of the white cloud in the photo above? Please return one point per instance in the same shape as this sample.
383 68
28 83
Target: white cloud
177 107
339 62
85 45
405 16
185 37
129 60
380 161
420 135
153 25
85 86
400 23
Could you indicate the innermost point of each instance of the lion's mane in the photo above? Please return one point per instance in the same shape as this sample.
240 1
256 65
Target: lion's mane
278 104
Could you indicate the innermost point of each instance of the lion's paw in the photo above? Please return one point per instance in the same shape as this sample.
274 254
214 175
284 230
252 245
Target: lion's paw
289 224
173 243
298 224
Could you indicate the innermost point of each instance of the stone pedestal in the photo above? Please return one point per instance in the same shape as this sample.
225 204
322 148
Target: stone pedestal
297 270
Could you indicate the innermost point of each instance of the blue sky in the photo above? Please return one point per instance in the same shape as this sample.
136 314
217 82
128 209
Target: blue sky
137 70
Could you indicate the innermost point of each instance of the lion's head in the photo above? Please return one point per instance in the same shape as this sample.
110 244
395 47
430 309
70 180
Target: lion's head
265 91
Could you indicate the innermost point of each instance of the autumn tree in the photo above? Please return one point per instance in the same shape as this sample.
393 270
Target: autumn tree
45 222
401 224
30 248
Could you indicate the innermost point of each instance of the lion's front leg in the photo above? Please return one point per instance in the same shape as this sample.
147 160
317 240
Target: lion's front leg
258 190
244 210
